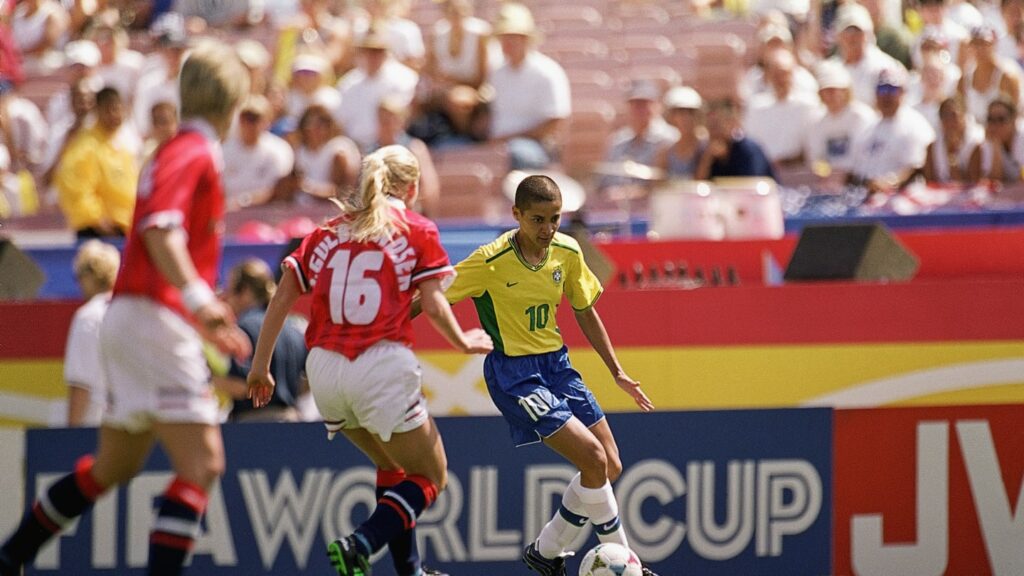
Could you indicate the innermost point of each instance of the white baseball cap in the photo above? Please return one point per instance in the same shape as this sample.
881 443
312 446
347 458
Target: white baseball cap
84 52
683 97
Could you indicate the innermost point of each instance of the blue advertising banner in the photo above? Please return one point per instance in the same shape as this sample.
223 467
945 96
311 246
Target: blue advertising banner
732 492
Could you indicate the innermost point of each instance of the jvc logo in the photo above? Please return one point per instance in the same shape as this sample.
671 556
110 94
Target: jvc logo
1002 528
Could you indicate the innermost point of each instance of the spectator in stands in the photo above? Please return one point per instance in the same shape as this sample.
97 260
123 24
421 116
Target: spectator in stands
310 73
95 267
987 74
402 36
10 58
163 121
97 173
249 289
932 87
937 23
729 152
119 66
257 60
683 112
315 28
459 48
24 129
531 92
38 27
459 121
957 136
643 137
255 160
82 98
362 89
1000 157
891 34
224 13
780 119
326 162
857 51
159 79
840 123
773 36
392 117
1009 18
82 56
894 147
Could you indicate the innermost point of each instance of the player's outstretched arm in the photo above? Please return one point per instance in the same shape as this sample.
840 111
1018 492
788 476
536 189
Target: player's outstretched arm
168 249
439 312
261 383
593 328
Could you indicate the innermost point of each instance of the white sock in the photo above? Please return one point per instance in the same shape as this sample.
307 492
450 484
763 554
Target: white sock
568 521
603 510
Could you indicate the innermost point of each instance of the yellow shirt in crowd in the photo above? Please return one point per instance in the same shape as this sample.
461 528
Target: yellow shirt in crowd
96 181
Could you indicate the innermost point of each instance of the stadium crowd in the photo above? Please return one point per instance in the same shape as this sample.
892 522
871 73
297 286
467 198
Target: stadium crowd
873 94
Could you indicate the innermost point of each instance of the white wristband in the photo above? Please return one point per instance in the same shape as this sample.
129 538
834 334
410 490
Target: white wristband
196 294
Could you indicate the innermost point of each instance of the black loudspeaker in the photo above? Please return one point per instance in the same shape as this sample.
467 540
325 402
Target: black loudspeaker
20 277
850 252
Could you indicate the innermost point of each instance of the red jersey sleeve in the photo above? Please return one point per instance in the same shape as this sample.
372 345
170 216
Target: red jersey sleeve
433 261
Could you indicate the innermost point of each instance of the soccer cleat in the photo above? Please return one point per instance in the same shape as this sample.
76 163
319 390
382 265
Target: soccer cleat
543 566
346 560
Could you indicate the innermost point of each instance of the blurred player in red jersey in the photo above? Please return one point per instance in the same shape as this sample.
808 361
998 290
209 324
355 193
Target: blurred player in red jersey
151 338
362 270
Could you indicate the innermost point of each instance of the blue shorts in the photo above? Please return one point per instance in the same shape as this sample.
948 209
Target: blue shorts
538 394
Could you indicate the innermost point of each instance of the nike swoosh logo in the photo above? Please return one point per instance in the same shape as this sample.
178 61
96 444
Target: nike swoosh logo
510 284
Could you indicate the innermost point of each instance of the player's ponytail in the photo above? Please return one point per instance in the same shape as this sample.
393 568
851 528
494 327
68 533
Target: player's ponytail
388 172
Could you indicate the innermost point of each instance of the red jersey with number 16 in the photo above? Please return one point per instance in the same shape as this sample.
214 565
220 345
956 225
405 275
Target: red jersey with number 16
362 291
180 187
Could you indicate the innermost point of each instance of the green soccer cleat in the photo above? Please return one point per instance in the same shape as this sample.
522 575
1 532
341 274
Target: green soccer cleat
346 560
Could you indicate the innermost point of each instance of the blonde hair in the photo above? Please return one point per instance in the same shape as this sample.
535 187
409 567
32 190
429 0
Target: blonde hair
213 81
98 260
387 172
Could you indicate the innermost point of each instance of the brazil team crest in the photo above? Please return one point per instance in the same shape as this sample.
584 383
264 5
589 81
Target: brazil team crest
557 275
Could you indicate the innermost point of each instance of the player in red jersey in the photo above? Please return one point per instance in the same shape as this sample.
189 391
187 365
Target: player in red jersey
362 270
150 338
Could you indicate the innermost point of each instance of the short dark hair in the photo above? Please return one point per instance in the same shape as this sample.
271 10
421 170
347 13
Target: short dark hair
536 188
107 95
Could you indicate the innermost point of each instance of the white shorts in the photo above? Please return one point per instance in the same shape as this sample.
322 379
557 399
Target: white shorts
155 367
379 391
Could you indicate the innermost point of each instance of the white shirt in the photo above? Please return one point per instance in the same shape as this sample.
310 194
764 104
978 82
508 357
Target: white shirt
28 128
82 356
529 95
254 170
316 165
893 145
780 127
834 137
864 74
123 74
464 66
361 95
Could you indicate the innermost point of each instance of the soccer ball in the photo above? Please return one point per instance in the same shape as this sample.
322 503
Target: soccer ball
610 560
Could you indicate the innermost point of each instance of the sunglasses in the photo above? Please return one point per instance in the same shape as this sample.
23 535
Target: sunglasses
249 117
998 119
887 90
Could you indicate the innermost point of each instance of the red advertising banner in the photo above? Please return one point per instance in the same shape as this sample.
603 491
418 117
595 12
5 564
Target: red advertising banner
929 491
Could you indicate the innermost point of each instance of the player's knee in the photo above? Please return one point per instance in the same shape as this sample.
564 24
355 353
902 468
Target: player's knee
614 468
596 462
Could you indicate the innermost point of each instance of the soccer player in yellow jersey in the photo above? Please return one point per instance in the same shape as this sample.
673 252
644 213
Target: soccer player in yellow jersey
517 283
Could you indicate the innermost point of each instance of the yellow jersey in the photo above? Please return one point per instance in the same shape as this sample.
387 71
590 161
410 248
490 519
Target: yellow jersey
517 301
